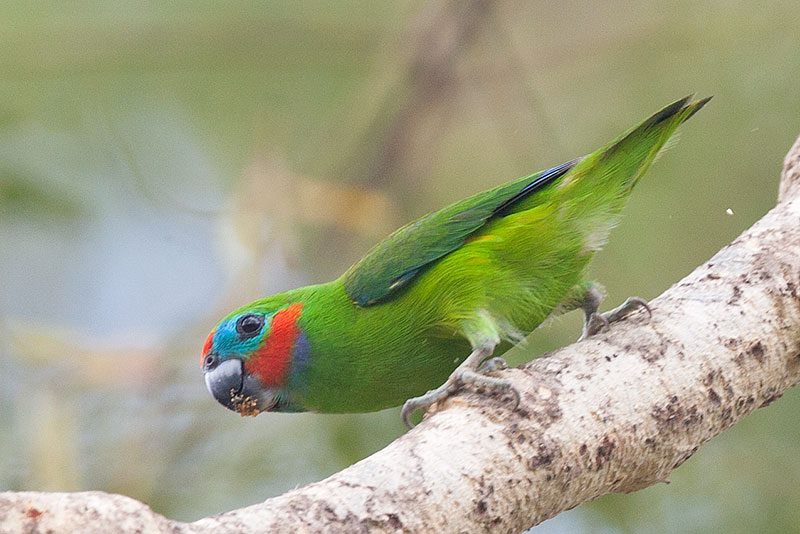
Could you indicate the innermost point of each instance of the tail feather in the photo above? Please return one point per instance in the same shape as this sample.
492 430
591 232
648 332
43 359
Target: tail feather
669 118
694 107
628 157
598 186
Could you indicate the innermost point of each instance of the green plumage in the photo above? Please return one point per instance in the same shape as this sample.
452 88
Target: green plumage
495 265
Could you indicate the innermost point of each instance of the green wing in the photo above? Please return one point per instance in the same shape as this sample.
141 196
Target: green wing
394 262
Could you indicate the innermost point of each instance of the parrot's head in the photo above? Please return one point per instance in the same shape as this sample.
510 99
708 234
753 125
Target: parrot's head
249 356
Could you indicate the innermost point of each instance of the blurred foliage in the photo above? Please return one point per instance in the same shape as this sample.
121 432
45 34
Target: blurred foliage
163 162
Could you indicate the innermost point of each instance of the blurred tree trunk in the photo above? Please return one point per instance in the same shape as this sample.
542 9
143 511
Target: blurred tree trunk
616 413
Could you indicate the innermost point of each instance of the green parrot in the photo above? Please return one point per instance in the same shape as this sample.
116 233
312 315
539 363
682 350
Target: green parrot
428 305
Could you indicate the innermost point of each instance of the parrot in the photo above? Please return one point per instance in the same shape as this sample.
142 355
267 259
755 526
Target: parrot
423 313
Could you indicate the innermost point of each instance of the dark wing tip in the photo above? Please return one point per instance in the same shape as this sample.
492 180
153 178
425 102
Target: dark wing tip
697 105
669 111
544 178
684 104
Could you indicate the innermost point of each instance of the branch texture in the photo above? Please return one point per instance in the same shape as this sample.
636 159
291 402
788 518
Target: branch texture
615 413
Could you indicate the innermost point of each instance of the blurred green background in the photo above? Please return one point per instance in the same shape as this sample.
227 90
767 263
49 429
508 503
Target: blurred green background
161 163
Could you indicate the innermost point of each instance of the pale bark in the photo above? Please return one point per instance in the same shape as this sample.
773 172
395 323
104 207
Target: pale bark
613 414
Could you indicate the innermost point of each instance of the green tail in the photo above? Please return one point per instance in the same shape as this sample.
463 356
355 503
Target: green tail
632 153
600 181
596 189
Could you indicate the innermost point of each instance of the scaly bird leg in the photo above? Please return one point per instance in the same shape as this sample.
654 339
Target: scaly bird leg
471 371
595 322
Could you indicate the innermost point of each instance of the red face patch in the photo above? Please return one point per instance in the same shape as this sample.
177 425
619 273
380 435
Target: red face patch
271 361
207 347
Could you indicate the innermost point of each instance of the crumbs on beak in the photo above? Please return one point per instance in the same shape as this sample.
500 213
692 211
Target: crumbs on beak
245 406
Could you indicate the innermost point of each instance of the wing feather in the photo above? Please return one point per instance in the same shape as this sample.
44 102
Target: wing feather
397 260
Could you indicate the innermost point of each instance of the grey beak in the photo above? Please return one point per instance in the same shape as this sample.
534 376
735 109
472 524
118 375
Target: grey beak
224 382
237 390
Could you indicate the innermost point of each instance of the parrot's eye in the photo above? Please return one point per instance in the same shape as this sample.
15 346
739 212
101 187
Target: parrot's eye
210 361
249 325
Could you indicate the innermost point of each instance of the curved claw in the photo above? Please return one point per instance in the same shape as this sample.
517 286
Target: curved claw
471 371
448 388
631 304
409 407
493 364
431 397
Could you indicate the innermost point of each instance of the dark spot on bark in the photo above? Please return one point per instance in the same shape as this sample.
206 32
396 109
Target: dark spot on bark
711 276
584 449
791 289
650 442
543 457
481 506
33 513
544 411
668 415
649 346
692 417
683 457
743 404
770 397
91 513
549 477
726 416
709 379
728 390
604 452
756 350
713 397
554 411
394 521
737 294
731 343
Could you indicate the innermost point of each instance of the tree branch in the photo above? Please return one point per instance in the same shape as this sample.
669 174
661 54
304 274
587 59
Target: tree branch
615 413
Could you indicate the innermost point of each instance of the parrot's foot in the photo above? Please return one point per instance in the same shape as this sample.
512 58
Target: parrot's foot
595 322
492 364
471 371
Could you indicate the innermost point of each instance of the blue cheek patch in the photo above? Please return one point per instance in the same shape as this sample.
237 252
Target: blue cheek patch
300 356
227 342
